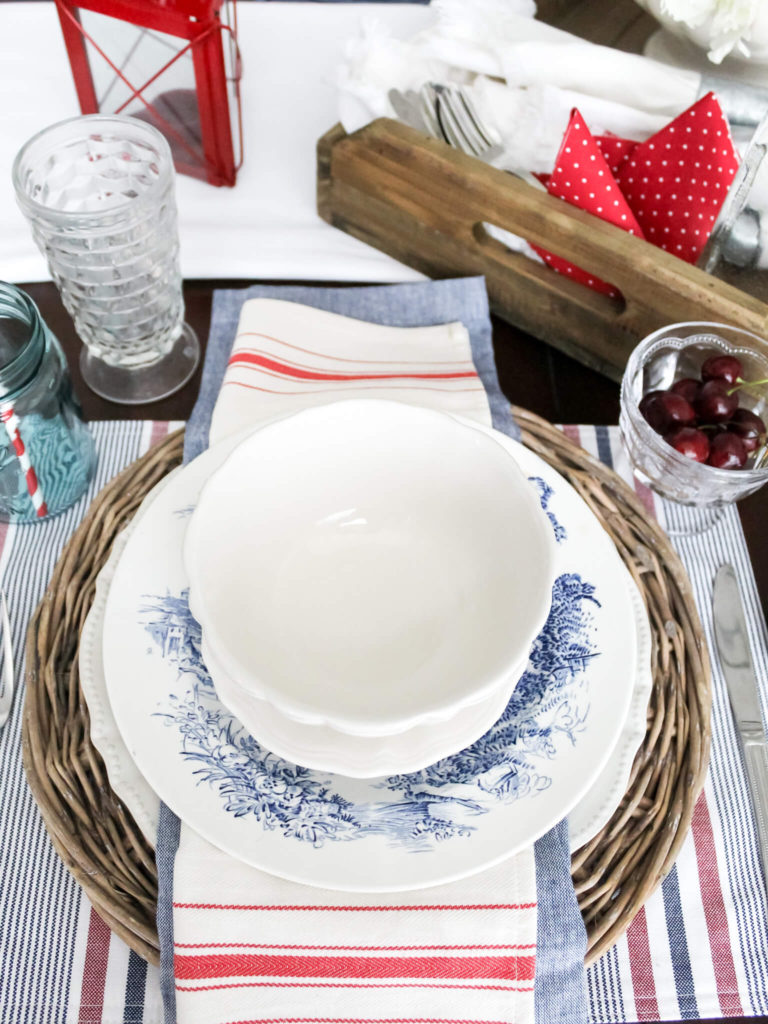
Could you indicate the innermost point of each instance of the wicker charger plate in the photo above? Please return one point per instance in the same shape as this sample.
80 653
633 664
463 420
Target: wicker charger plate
614 874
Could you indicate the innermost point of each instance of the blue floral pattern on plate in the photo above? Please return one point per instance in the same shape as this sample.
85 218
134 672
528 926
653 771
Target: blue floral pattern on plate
548 707
545 495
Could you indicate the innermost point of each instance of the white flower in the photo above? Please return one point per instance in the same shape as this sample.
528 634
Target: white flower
727 23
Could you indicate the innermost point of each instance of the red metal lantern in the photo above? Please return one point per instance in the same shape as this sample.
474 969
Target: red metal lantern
174 63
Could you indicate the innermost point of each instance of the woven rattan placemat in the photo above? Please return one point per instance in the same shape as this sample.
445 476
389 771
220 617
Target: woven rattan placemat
614 874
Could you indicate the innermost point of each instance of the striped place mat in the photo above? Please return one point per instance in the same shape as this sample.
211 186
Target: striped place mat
698 948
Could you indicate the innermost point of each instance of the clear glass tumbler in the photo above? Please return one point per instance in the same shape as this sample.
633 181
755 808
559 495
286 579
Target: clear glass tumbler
98 192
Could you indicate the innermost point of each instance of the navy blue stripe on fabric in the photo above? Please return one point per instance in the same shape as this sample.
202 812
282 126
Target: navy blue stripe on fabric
678 941
168 835
135 987
604 446
612 983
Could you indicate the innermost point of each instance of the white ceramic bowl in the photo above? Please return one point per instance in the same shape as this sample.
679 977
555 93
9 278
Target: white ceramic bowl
369 566
324 748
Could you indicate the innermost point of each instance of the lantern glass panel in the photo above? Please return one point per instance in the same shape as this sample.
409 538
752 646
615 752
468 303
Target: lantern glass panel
134 59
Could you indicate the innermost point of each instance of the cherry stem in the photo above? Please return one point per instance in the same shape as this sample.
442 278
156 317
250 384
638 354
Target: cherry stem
750 383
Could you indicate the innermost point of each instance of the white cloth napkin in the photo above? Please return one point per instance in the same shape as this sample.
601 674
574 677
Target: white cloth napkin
244 939
524 75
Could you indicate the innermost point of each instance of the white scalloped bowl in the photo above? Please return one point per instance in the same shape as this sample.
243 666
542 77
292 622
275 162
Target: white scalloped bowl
369 566
324 748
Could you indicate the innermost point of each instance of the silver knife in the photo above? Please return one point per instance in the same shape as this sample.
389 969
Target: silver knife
6 681
736 659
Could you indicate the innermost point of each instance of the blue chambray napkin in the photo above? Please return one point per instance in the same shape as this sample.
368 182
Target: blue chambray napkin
560 993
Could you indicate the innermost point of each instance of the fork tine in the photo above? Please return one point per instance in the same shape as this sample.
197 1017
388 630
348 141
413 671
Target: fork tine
426 99
475 140
449 123
472 114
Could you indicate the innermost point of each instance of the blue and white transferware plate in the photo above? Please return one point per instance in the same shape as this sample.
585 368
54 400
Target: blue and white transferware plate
458 816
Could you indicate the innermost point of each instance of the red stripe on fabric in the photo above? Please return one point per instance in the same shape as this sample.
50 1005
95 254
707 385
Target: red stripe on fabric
354 907
344 984
269 965
641 968
3 535
158 432
257 355
332 391
646 496
571 431
714 911
257 360
94 971
286 945
348 359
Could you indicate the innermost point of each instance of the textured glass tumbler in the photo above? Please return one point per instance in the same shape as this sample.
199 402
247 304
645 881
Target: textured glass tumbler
98 192
668 355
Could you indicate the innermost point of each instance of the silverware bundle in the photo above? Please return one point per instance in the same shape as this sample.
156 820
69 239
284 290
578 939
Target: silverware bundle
446 112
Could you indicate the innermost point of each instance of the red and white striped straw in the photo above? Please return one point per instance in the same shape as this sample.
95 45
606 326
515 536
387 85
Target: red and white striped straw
12 428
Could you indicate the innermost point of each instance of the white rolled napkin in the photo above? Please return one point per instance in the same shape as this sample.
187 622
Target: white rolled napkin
251 946
546 71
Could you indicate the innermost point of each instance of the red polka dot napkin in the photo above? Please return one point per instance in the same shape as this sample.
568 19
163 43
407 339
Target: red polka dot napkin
668 189
583 178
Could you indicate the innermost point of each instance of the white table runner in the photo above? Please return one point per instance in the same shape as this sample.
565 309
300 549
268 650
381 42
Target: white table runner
267 226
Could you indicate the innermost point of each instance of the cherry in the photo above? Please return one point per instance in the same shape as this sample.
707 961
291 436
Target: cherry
689 441
749 427
664 410
648 398
726 368
713 403
701 418
687 387
727 451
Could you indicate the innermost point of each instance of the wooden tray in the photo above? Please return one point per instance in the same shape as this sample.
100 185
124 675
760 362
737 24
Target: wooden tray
427 205
614 874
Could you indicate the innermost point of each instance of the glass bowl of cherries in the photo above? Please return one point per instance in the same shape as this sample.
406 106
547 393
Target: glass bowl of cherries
694 407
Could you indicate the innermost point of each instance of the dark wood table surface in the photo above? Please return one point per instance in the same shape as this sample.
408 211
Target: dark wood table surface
531 373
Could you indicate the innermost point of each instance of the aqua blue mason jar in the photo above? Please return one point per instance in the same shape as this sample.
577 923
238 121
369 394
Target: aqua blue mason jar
47 454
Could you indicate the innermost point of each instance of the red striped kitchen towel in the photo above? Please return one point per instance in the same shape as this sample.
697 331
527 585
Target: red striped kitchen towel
252 947
288 356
